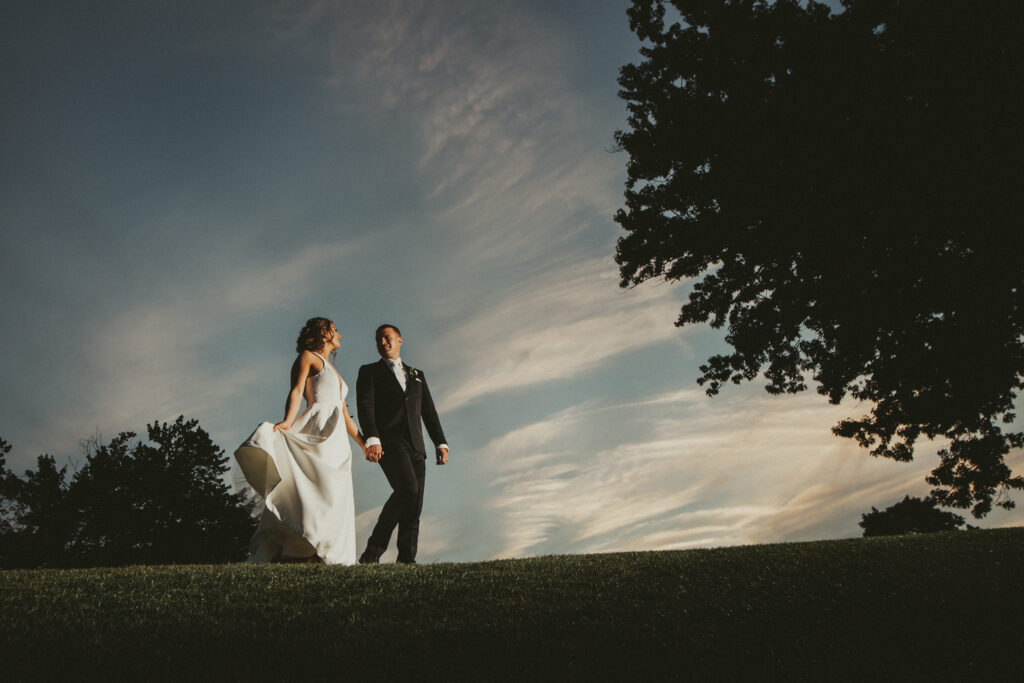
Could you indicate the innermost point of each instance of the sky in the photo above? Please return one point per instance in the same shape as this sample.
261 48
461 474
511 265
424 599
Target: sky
183 184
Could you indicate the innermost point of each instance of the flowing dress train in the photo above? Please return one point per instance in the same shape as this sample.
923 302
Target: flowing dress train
305 478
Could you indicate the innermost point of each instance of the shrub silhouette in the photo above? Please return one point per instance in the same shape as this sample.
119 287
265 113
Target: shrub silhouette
909 516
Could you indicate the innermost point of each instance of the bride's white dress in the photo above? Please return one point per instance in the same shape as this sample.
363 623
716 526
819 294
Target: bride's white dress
305 478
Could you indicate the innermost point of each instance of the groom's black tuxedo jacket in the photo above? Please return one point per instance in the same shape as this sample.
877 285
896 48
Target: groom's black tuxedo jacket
390 414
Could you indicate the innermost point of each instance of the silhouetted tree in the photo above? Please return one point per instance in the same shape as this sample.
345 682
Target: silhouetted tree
159 502
132 502
44 515
846 191
8 500
909 516
35 519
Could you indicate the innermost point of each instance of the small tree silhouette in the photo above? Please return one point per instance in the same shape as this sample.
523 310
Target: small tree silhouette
909 516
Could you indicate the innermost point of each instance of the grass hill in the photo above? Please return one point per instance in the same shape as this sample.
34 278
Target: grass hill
936 607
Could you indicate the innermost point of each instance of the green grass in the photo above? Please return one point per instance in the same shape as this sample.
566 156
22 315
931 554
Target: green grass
936 607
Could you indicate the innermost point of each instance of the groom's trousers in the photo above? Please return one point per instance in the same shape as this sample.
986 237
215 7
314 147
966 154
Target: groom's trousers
406 472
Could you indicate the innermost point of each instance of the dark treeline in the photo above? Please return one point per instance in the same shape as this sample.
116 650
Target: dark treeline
159 501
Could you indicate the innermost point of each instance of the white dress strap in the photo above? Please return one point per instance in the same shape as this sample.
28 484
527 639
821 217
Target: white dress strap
321 358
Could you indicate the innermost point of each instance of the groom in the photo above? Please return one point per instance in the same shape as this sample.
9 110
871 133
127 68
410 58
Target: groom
391 399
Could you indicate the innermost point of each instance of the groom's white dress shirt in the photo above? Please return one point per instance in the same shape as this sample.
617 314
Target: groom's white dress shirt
399 370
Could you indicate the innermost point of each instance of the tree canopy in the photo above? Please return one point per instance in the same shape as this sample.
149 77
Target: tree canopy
844 190
161 500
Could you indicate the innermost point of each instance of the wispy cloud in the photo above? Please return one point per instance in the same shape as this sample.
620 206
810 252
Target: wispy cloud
188 314
692 471
505 151
556 325
517 189
148 360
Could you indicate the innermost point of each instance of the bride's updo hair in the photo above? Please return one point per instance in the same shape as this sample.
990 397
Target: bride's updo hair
314 334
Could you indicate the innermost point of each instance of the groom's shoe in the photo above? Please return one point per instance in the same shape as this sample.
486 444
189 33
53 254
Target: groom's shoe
371 555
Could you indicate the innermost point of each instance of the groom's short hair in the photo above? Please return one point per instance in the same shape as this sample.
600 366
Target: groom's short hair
376 335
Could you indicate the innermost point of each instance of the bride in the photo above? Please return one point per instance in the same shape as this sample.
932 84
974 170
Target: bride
302 466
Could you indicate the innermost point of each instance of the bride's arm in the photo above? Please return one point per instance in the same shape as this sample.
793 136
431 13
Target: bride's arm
350 427
300 371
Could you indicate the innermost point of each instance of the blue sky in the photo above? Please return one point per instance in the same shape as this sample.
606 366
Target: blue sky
184 183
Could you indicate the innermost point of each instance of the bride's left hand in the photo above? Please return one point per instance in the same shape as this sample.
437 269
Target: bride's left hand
283 426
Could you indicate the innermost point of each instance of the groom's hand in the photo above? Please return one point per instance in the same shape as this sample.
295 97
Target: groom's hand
442 456
374 452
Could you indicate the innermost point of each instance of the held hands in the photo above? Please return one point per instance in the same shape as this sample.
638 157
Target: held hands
374 453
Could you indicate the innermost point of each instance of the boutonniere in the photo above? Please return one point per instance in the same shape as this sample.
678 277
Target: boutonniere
415 374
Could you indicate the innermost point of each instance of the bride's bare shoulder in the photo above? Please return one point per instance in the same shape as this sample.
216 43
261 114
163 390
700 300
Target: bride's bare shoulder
310 360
